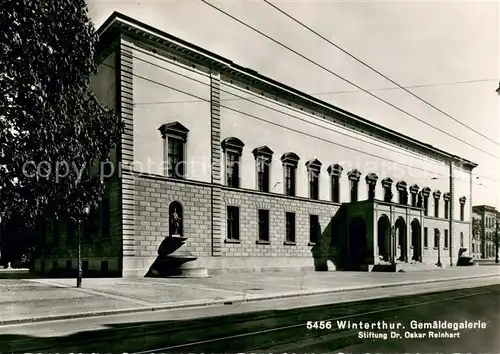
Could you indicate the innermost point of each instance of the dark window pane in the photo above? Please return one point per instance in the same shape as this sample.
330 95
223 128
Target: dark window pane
233 223
264 225
314 229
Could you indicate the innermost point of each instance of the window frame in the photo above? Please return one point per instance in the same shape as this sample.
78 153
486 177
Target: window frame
263 225
290 163
371 183
314 229
354 176
233 232
263 161
174 132
437 197
335 172
313 172
290 228
387 187
232 149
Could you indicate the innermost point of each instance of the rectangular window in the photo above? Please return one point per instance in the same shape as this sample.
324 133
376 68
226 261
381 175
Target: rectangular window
426 237
175 158
289 180
313 185
263 225
105 218
436 238
232 169
426 206
446 208
354 190
436 208
290 227
314 229
446 234
387 194
414 199
335 189
233 223
461 212
263 175
402 195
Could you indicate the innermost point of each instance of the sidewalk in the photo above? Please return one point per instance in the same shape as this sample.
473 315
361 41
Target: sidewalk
36 300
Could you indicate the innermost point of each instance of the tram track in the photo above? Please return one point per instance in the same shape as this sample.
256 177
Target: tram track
248 331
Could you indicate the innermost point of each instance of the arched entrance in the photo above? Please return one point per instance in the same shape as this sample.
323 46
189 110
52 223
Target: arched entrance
175 219
401 240
384 238
357 242
416 242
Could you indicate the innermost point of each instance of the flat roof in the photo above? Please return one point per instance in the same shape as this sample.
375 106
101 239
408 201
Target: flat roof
119 23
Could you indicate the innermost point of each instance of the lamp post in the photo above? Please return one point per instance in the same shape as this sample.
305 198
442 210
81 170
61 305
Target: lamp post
86 212
438 234
393 245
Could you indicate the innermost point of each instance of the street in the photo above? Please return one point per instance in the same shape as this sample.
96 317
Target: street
278 325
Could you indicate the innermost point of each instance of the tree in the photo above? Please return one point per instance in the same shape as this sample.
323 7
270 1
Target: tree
51 124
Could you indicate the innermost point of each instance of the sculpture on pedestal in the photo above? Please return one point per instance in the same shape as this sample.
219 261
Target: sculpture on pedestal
173 258
175 223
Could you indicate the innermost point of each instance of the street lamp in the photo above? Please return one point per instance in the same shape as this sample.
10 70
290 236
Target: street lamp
438 234
393 245
86 212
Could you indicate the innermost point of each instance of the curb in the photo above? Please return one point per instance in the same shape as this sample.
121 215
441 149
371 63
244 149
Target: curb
229 301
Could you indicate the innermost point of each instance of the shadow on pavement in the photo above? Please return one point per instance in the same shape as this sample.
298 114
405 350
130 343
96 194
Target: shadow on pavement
250 331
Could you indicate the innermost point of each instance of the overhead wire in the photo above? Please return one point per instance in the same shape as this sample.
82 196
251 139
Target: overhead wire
344 79
399 86
260 97
279 125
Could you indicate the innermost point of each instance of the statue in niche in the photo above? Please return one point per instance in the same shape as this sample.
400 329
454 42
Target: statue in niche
175 223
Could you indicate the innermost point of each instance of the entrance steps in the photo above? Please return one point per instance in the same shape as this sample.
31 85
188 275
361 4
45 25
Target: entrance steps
404 267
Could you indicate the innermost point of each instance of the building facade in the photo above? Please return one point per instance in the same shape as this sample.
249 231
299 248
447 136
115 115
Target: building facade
262 176
485 219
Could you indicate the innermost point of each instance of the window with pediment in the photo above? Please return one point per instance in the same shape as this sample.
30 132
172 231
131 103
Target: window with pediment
174 148
354 176
313 171
335 172
263 159
233 149
290 162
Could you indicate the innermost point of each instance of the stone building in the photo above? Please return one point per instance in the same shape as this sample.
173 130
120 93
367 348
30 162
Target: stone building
484 239
263 177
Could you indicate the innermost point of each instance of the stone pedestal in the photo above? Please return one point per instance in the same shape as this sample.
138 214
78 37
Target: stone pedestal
175 261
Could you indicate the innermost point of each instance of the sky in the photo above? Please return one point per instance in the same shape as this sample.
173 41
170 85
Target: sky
448 49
